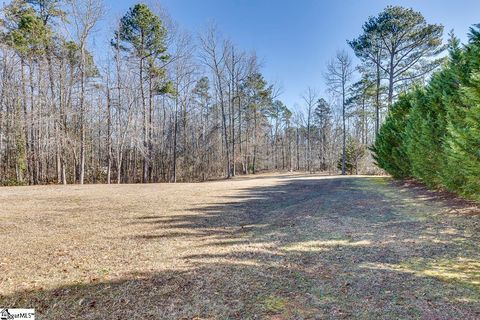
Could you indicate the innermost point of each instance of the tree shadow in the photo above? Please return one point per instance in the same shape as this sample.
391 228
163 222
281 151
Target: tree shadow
456 204
324 248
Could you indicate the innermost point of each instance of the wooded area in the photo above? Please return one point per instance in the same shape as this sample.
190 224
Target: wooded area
163 105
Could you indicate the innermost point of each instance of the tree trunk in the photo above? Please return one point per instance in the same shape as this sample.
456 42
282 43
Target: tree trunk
344 154
144 129
109 136
82 116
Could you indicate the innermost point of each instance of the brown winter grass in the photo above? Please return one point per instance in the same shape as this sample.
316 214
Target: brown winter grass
270 246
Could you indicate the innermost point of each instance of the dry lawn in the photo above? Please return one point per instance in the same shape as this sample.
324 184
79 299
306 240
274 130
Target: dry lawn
271 246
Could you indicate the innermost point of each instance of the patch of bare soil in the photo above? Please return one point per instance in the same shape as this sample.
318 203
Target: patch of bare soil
271 246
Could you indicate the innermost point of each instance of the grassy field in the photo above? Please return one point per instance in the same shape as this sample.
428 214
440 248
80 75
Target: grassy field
271 246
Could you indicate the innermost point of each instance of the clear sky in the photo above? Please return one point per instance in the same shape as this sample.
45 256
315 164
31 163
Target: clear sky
295 39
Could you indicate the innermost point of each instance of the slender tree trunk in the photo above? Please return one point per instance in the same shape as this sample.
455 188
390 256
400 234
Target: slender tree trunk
377 101
175 129
254 142
232 111
244 165
144 129
390 80
82 114
344 154
62 124
109 136
308 143
224 125
33 150
25 124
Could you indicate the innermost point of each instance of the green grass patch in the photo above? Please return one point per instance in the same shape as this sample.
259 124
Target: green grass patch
273 304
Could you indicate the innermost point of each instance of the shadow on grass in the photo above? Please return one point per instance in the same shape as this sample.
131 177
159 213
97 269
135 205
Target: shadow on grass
304 248
456 204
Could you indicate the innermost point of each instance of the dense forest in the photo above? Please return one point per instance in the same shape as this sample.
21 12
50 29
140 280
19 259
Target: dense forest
164 105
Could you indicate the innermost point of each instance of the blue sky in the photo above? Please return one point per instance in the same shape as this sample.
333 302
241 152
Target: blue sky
295 39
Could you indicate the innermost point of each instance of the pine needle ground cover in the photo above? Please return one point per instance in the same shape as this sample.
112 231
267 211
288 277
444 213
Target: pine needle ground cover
270 247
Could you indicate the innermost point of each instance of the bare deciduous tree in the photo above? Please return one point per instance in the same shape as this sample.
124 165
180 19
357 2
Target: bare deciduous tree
338 76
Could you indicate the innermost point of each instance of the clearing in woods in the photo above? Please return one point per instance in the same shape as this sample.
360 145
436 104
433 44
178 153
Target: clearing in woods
270 246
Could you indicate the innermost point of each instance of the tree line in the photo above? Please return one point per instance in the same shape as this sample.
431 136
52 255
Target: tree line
163 105
432 132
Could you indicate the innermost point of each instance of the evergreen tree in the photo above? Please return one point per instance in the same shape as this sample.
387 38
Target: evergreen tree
401 44
258 98
467 146
354 152
456 73
462 147
323 120
142 34
423 139
390 148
